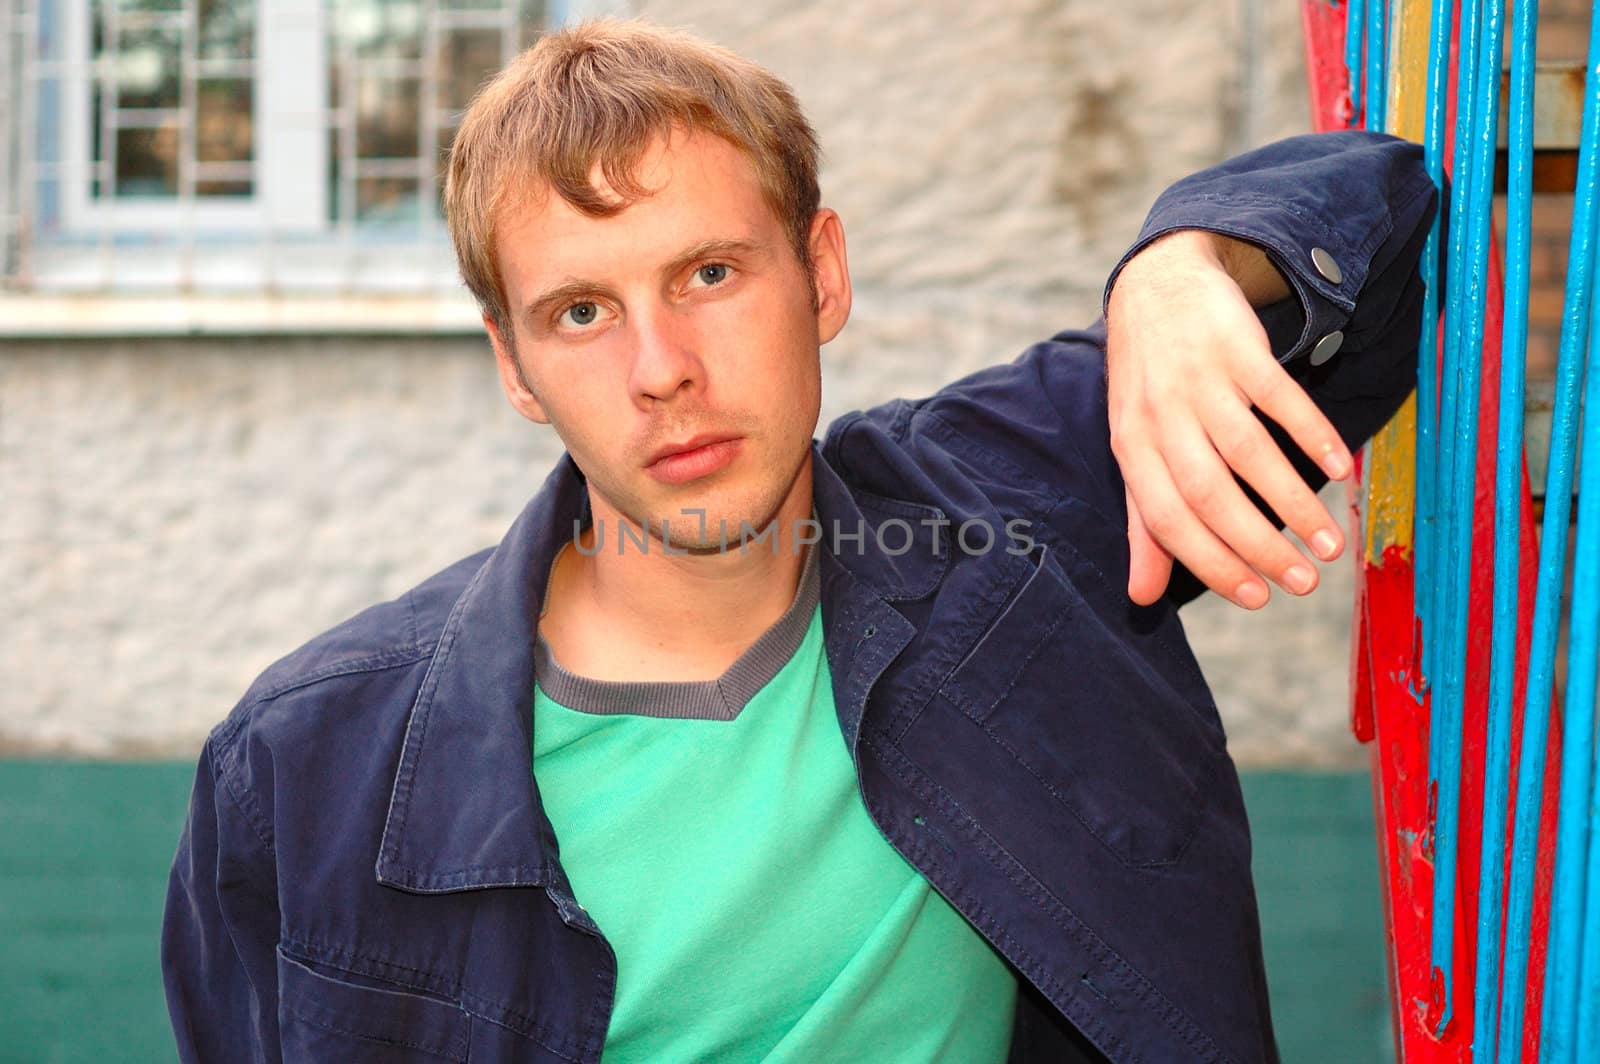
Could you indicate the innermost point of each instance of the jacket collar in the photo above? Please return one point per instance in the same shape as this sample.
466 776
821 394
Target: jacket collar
464 812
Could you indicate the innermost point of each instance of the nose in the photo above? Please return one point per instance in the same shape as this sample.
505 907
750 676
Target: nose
666 358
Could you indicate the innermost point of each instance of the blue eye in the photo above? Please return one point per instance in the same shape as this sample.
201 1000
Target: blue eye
714 273
581 314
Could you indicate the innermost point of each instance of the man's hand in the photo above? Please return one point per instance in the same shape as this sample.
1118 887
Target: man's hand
1186 358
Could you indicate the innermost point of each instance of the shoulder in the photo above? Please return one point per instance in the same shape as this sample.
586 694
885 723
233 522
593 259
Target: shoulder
389 633
358 678
1035 425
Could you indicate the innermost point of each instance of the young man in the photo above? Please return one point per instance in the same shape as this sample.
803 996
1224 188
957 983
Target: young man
742 746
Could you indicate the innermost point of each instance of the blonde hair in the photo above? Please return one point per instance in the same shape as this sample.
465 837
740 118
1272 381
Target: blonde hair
601 92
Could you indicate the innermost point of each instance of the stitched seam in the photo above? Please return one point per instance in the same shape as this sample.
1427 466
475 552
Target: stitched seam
1024 479
1018 875
448 883
225 738
245 801
1409 194
400 795
946 689
1096 1028
380 1040
225 762
842 430
1066 543
371 663
1085 938
595 1031
1191 829
411 620
915 701
1048 632
1161 640
322 953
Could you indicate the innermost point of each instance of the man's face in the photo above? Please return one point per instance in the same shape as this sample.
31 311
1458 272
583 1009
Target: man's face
685 318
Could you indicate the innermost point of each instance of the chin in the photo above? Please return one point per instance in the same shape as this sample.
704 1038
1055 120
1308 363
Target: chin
711 522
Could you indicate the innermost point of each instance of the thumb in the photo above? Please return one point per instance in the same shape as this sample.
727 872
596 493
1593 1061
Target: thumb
1149 563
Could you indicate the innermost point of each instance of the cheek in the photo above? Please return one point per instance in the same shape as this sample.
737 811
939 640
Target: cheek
767 333
575 378
579 404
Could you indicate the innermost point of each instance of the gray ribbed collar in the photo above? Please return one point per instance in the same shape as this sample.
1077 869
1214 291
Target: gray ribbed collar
719 699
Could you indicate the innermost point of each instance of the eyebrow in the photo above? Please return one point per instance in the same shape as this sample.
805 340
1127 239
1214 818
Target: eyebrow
575 291
710 249
561 295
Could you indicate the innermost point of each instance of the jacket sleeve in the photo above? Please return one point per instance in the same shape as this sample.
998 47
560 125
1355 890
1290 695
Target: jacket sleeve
1342 215
220 931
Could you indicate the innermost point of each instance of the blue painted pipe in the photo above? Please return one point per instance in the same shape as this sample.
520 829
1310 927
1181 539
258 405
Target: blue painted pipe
1535 734
1583 661
1507 555
1457 439
1562 963
1450 380
1377 62
1428 346
1354 35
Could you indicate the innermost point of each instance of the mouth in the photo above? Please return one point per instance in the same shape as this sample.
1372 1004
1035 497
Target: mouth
699 456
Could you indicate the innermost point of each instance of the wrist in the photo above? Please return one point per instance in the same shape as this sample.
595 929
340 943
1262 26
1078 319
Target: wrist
1172 255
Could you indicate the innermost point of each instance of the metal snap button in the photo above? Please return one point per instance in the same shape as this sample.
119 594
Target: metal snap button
1326 266
1327 347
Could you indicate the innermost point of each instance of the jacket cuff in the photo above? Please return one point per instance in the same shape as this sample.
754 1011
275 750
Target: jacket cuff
1319 205
1294 326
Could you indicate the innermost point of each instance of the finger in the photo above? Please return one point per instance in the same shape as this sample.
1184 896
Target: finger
1149 565
1173 524
1208 486
1281 398
1250 451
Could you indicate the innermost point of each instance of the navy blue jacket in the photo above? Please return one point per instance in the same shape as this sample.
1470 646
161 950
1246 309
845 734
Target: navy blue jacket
367 873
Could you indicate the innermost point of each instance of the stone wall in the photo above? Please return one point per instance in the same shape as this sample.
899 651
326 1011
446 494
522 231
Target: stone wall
175 513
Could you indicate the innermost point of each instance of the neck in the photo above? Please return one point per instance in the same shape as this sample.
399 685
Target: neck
676 614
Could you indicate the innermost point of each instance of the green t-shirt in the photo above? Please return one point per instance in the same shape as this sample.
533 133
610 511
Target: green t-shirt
715 834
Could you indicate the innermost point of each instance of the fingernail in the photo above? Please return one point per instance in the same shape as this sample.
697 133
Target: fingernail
1299 579
1336 465
1326 544
1251 595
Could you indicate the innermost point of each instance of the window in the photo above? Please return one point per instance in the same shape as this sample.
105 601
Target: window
237 145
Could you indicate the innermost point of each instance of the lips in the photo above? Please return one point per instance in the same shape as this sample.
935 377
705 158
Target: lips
681 463
694 443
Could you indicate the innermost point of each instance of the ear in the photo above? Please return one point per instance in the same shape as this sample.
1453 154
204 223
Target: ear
512 379
831 273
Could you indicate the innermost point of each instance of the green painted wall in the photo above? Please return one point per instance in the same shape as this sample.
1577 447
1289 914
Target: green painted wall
85 848
84 854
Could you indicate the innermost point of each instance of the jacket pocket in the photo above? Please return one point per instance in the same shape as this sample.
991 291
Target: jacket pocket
323 1018
1092 702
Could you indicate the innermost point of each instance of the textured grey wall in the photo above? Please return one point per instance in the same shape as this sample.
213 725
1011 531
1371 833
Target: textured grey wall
176 513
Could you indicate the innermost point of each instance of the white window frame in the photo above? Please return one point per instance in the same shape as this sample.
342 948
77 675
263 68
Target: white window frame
289 192
143 266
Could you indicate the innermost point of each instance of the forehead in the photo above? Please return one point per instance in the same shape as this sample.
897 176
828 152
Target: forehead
701 188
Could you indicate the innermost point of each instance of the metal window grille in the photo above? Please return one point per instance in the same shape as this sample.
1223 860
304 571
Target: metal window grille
183 145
